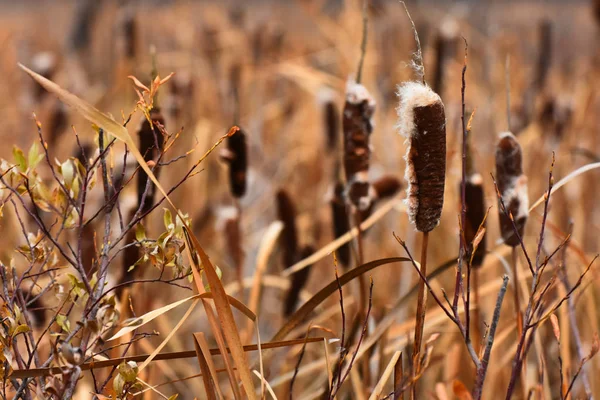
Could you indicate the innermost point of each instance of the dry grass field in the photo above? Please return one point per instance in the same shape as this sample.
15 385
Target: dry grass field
98 268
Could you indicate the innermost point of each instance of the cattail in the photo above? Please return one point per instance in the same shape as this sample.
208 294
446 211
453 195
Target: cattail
357 126
297 284
233 238
386 186
545 54
446 44
128 28
422 121
35 309
512 185
149 136
331 117
57 122
556 115
131 255
596 7
286 212
44 63
341 223
475 202
86 14
83 153
88 248
181 89
236 155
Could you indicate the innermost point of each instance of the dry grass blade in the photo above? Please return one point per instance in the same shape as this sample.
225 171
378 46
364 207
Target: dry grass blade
169 336
335 244
385 376
328 290
207 367
264 381
149 316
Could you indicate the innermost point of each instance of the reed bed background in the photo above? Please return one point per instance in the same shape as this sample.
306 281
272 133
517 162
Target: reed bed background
268 200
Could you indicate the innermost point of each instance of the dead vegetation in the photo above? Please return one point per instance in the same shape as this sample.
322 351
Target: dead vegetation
119 219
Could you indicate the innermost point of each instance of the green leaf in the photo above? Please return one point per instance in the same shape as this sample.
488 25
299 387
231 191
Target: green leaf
168 219
63 322
20 160
34 156
140 232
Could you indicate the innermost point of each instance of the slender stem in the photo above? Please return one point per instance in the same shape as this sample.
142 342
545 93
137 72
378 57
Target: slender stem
421 310
517 299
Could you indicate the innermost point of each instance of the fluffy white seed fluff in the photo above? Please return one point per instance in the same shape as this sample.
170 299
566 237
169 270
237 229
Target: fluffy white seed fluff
357 93
412 94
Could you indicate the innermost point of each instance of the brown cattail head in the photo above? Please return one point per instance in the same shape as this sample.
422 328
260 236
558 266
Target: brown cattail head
236 155
297 284
475 202
512 185
331 119
35 309
596 11
150 136
422 120
386 186
357 126
286 212
85 16
446 44
57 122
45 64
233 236
545 53
129 35
341 224
131 255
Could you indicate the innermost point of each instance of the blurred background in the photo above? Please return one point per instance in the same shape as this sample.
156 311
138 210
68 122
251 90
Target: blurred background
272 67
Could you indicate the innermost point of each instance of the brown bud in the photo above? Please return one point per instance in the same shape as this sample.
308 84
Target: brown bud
421 119
298 280
475 202
149 136
512 185
357 126
236 155
341 223
286 212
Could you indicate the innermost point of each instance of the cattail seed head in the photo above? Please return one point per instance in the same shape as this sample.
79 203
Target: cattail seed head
421 119
148 142
286 212
341 224
298 280
357 126
386 186
475 202
512 185
236 156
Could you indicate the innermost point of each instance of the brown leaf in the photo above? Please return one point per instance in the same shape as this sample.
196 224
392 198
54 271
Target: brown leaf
460 390
555 327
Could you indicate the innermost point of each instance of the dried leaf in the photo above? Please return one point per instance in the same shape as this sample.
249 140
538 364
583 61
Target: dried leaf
460 390
555 327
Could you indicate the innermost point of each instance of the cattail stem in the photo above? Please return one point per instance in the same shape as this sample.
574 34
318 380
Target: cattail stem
517 298
239 267
421 310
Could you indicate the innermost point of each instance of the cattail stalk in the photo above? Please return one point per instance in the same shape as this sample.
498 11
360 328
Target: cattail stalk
151 142
286 212
341 224
236 156
512 187
298 281
422 121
